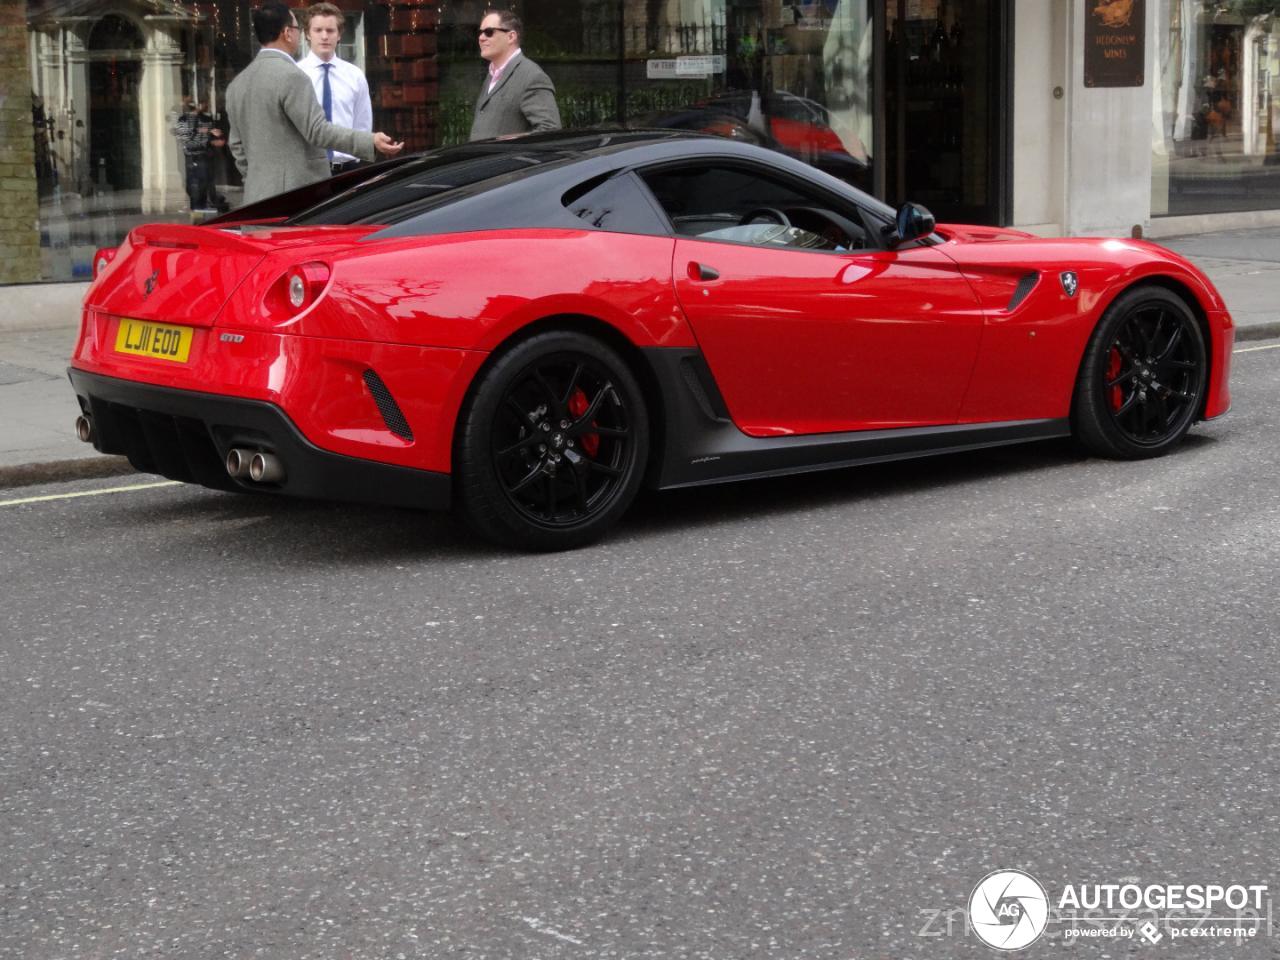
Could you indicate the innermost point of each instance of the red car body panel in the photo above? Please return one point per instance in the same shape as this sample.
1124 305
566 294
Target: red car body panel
316 381
425 338
802 343
1030 355
472 291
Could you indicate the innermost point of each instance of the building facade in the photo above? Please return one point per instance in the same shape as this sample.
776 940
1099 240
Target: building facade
1057 116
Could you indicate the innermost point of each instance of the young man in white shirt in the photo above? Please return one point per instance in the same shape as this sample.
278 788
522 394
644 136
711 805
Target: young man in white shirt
278 132
346 102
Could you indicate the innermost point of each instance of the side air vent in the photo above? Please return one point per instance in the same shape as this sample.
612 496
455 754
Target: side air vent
1024 287
702 385
392 415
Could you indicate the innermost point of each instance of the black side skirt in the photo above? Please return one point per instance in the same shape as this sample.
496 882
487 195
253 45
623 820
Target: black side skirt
185 435
701 445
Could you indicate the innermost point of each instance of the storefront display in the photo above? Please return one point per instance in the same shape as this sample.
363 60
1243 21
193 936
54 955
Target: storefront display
1217 106
112 81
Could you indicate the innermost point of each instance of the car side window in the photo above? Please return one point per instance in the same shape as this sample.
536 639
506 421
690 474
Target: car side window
615 203
738 205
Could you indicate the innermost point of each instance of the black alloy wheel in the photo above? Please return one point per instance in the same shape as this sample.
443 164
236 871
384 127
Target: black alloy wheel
553 443
1143 378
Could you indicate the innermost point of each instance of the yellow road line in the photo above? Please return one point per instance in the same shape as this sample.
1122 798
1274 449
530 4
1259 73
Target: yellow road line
1274 346
88 493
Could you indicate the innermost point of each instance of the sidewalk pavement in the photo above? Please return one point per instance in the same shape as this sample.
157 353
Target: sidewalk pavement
38 326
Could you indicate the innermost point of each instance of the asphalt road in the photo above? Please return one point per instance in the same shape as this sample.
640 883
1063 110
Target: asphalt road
783 719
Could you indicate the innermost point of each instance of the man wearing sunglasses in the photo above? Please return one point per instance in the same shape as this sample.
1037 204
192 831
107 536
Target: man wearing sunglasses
279 135
516 97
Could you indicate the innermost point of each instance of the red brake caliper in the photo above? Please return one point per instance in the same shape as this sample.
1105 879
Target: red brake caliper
578 405
1114 363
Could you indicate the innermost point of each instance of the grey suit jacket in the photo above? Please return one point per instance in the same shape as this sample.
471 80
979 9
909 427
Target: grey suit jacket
278 132
524 100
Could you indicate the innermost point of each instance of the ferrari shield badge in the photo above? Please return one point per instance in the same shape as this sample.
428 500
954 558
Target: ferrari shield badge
1070 283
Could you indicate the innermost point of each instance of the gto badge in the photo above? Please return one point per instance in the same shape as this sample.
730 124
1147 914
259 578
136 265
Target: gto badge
151 283
1070 282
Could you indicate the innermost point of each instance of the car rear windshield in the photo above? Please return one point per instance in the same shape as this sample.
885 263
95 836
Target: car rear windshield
428 182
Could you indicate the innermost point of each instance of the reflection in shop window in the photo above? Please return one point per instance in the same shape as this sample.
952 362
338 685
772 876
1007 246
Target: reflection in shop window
793 76
112 80
846 64
1216 106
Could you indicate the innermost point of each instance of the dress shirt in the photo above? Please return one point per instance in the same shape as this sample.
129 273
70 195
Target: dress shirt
495 73
350 91
277 50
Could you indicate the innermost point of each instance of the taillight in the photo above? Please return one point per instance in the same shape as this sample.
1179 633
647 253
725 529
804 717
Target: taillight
296 290
101 259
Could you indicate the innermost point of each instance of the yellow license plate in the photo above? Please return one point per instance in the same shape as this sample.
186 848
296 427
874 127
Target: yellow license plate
145 338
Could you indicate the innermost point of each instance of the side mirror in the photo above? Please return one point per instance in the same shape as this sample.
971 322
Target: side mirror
912 223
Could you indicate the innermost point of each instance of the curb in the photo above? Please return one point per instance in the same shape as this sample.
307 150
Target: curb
41 306
1258 331
60 471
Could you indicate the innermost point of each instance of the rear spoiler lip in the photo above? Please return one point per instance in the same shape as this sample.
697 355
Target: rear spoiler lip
292 202
187 237
238 238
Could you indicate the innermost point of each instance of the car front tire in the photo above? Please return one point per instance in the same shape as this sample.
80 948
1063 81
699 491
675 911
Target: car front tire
1143 378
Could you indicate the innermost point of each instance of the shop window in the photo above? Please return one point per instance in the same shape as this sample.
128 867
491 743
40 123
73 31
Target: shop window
110 79
1217 113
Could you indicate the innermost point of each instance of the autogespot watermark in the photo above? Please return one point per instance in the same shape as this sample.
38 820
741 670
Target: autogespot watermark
1011 910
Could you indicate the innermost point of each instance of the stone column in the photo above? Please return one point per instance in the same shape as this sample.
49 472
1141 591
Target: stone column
161 94
19 196
76 175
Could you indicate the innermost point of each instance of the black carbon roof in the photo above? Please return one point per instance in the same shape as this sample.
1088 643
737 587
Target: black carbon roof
506 183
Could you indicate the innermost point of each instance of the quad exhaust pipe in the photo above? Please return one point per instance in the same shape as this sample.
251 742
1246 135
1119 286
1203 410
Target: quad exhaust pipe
238 463
255 465
84 428
266 468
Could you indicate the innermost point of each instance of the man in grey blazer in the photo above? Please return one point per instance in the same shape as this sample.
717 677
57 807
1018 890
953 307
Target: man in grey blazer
279 135
517 97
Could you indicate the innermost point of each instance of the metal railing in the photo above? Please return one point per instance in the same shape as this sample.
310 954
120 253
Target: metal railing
598 37
579 107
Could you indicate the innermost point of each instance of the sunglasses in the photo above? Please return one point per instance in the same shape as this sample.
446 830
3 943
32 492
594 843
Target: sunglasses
490 31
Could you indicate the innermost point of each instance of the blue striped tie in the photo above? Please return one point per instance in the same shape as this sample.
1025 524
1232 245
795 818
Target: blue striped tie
326 100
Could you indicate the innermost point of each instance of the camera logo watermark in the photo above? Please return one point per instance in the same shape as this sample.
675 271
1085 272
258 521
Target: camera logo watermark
1008 909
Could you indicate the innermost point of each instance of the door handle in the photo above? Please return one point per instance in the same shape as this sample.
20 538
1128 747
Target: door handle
700 271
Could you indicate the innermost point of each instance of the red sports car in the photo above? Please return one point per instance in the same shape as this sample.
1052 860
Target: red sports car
529 330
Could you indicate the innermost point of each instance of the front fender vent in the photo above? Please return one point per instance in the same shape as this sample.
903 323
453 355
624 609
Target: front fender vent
392 415
1024 287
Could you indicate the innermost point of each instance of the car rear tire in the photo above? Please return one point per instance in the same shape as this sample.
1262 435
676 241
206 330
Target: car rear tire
552 443
1142 381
